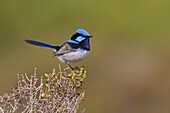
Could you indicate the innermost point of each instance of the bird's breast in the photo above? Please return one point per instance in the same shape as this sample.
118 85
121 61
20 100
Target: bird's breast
73 56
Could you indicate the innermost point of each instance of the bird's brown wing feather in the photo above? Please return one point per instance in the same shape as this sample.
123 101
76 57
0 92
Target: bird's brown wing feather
65 48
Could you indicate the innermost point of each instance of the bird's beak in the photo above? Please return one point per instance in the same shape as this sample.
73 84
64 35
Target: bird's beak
90 36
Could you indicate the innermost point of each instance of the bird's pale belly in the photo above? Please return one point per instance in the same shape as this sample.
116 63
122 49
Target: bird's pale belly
72 57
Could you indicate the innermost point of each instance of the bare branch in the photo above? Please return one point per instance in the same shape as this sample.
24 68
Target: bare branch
57 92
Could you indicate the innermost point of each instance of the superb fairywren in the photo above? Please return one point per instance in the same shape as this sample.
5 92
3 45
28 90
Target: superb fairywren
73 50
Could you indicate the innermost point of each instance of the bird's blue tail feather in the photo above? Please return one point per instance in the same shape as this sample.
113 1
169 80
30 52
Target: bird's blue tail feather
36 43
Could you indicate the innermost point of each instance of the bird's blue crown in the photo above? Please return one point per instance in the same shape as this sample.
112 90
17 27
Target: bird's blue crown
83 32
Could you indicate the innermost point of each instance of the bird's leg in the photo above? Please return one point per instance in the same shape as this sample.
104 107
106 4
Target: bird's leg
71 68
68 67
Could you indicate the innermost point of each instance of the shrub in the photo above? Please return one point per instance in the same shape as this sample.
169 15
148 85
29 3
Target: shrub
56 92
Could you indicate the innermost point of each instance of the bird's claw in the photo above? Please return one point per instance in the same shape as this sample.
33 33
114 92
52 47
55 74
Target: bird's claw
72 69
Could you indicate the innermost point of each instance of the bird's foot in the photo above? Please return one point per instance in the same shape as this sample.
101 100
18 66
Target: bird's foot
65 69
76 68
71 68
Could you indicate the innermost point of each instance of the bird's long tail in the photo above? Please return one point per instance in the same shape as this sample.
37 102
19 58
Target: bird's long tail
36 43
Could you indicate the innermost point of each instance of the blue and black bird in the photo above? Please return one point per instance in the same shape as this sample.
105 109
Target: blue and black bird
73 50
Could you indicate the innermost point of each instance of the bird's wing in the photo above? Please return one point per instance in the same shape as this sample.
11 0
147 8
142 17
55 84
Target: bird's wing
65 48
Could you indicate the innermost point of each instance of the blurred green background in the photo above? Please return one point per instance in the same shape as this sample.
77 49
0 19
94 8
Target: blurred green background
129 64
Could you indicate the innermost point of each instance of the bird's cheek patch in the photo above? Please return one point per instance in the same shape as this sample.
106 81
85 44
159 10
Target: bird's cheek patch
80 38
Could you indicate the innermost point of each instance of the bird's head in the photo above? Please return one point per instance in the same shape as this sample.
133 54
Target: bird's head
80 36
